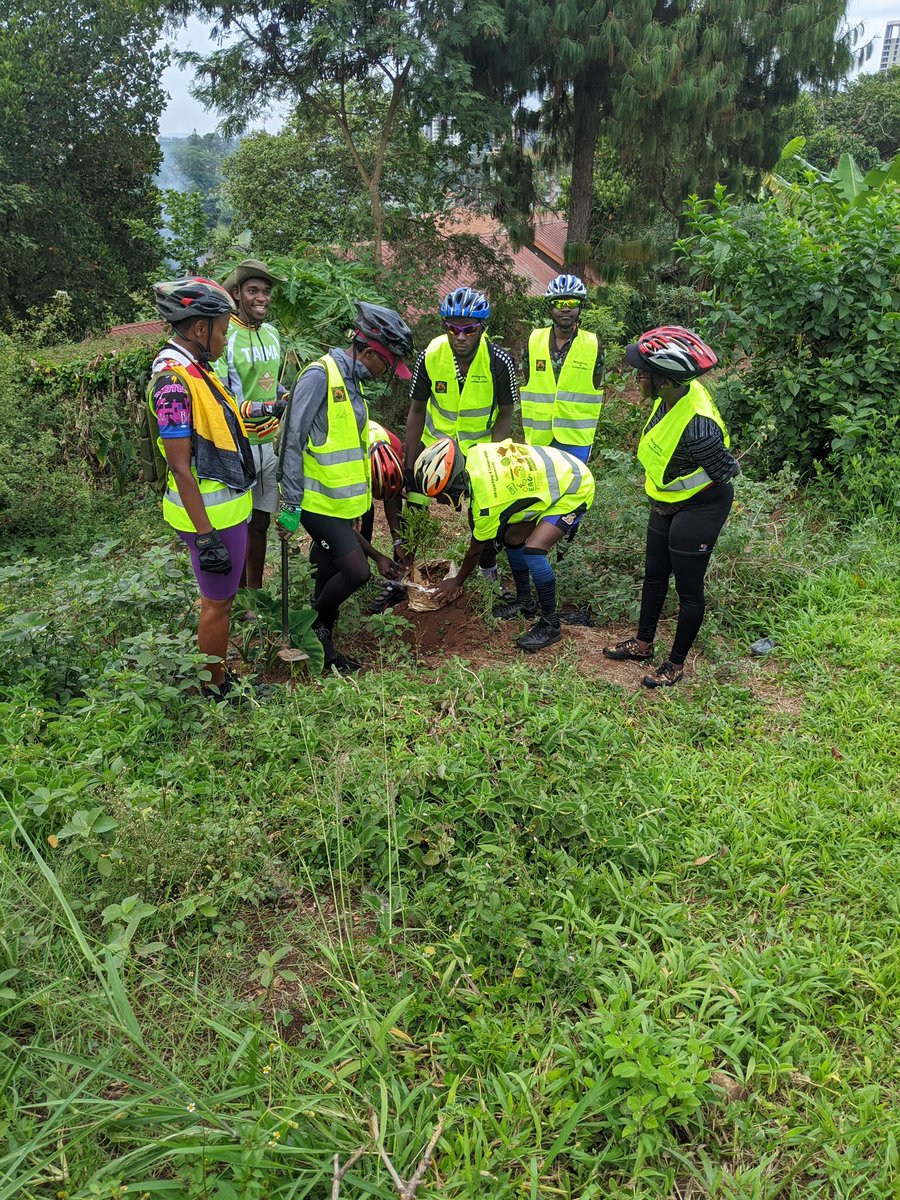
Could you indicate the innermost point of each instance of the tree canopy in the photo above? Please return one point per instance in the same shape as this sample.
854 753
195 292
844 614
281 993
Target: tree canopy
79 107
687 90
301 185
400 57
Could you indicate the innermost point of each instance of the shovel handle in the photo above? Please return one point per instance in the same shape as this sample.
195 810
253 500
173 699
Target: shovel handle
285 632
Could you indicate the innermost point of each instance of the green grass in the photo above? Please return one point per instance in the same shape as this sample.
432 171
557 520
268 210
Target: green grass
637 946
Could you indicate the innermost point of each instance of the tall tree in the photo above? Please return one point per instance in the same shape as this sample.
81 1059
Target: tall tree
685 89
79 110
313 191
400 55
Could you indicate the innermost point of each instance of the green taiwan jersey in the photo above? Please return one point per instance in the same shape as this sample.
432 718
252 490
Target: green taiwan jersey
250 369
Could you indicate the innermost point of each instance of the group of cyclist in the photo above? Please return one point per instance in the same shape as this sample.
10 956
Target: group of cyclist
218 403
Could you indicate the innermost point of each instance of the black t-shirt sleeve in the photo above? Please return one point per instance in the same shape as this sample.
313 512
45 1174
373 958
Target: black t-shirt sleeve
420 386
503 373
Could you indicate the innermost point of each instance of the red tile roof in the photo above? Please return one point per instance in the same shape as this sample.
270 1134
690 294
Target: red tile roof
138 329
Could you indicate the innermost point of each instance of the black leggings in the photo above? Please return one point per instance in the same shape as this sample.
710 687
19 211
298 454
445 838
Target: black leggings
681 544
340 565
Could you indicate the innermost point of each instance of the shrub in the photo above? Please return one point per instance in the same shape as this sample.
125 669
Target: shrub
802 298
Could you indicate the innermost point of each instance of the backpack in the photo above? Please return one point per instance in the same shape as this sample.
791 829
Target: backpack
154 467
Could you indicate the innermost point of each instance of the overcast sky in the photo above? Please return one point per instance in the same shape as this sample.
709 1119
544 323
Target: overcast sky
184 114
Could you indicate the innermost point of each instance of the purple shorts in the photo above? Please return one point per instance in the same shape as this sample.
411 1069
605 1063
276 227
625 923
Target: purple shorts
220 587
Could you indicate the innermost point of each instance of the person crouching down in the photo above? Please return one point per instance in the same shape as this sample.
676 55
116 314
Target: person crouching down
514 493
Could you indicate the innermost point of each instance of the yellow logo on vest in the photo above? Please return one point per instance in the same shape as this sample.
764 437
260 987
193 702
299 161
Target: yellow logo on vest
541 364
441 387
338 394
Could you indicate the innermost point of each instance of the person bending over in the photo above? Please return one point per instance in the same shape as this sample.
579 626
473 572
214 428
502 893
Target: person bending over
326 476
514 493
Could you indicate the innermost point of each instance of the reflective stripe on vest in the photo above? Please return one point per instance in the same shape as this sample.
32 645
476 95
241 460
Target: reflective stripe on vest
565 410
501 473
336 474
464 416
224 506
657 445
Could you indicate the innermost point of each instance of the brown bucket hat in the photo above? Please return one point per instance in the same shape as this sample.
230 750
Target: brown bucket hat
250 268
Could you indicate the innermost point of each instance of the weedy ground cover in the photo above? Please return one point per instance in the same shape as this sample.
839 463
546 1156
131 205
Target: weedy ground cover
621 945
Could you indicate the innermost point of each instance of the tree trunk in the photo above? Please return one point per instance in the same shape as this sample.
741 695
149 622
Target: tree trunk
377 221
587 97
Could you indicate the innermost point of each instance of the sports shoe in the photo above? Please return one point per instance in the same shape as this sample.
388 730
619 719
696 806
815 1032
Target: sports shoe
389 595
505 610
665 675
541 635
333 657
629 651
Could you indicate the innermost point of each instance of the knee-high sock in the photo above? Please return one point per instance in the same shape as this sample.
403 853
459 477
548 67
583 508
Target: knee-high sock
518 564
544 580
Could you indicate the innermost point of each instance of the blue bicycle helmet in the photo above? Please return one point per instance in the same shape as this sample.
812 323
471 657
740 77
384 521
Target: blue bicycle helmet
466 302
566 287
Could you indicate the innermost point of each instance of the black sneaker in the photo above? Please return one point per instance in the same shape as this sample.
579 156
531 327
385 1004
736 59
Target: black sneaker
389 595
506 610
665 675
333 656
628 651
541 635
229 692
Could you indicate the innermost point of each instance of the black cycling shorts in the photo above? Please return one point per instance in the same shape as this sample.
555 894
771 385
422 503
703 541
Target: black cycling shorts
335 535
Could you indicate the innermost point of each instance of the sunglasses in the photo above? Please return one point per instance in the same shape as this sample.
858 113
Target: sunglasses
461 330
565 304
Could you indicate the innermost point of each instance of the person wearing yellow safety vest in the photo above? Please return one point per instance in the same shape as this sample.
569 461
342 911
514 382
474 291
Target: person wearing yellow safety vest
684 450
463 387
514 492
251 368
326 483
563 369
210 464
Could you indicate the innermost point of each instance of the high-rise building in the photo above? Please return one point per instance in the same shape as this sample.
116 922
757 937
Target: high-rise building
890 48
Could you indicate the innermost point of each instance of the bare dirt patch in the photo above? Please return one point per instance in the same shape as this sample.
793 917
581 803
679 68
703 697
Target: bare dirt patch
314 927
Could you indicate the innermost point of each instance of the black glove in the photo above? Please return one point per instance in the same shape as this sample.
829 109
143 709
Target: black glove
274 409
214 556
409 479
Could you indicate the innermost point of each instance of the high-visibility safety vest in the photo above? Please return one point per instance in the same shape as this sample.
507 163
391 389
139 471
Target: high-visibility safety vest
657 445
336 474
501 474
566 409
225 506
465 416
250 368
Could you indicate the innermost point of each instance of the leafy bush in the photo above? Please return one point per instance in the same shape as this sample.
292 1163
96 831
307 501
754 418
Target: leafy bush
801 296
68 428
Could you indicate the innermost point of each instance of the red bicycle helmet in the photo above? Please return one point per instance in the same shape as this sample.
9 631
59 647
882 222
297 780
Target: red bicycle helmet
673 352
387 471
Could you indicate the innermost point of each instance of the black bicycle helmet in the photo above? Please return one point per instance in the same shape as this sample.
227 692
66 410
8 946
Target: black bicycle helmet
376 323
183 299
